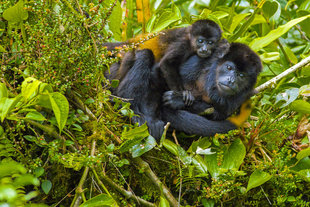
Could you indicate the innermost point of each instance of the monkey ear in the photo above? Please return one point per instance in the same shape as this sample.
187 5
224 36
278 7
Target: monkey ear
222 49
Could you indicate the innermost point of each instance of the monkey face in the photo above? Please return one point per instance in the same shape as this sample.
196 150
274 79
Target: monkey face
204 46
229 80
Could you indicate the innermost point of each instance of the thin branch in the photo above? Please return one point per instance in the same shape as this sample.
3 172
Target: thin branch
146 168
49 130
282 75
79 192
125 193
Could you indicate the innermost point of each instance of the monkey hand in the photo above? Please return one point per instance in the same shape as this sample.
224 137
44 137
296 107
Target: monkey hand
174 100
188 98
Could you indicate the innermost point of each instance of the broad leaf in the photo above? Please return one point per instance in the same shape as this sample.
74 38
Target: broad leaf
143 147
258 178
16 13
46 186
8 104
37 116
234 155
272 9
133 137
60 107
30 87
288 96
262 42
303 153
212 165
115 18
3 91
300 106
166 18
102 200
305 174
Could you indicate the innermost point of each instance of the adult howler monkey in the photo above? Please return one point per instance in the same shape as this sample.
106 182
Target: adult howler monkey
224 84
174 46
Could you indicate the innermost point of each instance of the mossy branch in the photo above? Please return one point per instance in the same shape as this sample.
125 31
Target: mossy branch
125 193
49 130
146 169
282 75
79 192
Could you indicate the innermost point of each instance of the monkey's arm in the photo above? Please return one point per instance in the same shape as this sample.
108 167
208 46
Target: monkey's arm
190 123
175 100
175 54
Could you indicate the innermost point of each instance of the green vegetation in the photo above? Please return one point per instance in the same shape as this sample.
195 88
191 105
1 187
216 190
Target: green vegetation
63 143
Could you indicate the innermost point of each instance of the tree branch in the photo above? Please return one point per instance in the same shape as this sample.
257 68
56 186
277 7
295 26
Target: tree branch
282 75
146 168
125 193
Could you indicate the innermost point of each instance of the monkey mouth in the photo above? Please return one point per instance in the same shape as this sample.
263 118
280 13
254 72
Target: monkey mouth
203 54
225 89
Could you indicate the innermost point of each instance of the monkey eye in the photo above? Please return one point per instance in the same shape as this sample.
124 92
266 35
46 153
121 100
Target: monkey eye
241 75
210 42
200 41
229 67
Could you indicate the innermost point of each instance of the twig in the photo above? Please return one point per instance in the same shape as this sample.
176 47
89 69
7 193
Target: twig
49 130
79 104
282 75
79 193
145 166
125 193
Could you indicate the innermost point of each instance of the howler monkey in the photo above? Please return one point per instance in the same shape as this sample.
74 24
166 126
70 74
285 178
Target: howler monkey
174 46
226 84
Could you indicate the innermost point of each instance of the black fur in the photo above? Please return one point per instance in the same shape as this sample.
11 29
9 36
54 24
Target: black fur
192 71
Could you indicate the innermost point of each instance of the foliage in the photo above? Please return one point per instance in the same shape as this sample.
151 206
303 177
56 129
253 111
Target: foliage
65 140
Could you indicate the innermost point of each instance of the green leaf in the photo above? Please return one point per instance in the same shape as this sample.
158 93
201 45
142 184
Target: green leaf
3 91
290 54
288 96
38 171
234 155
7 105
143 147
305 174
207 202
10 167
211 162
46 186
133 137
166 18
115 18
303 153
30 138
163 202
257 178
16 13
2 49
141 131
44 101
262 42
300 106
37 116
1 131
272 9
236 21
26 179
114 83
60 107
89 101
45 88
102 200
30 87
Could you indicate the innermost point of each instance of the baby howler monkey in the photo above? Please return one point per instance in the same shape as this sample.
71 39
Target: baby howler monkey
172 47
